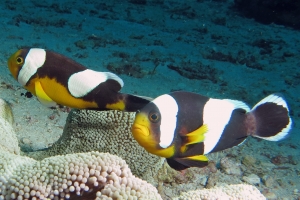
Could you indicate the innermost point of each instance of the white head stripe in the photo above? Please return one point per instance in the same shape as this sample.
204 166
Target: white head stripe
216 115
81 83
34 60
168 109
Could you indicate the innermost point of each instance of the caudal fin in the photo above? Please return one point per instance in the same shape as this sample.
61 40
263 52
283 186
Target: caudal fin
269 119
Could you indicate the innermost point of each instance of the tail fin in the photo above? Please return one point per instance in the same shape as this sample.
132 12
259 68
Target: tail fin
134 103
269 119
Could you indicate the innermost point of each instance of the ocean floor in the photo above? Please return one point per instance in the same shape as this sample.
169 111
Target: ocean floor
199 46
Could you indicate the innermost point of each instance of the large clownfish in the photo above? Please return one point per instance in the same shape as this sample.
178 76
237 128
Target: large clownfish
56 79
183 126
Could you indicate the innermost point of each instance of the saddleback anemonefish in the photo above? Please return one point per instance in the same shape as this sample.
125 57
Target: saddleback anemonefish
56 79
184 126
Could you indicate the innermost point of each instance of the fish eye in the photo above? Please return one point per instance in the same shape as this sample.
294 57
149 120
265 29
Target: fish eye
154 117
19 60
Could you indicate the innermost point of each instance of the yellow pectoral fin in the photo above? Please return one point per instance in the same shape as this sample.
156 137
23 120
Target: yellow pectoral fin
197 135
42 96
194 137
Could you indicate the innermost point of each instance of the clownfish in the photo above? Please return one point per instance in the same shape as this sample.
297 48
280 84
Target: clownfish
183 127
56 79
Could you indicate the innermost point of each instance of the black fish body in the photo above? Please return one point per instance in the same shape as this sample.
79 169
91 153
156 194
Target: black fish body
56 79
184 126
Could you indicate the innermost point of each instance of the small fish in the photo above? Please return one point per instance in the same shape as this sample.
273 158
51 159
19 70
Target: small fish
183 126
56 79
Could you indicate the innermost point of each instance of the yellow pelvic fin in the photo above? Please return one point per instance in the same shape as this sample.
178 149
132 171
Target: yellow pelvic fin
42 96
197 157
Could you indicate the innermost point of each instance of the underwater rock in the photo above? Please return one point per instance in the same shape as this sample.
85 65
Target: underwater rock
231 167
279 159
224 192
212 180
252 179
268 181
127 68
212 166
270 195
197 71
249 161
283 12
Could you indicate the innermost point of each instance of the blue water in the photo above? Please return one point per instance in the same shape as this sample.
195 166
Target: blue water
243 59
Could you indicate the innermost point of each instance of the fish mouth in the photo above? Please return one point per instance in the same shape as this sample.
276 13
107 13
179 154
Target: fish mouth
139 130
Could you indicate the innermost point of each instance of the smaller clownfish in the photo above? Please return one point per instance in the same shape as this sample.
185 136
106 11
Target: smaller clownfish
56 79
184 126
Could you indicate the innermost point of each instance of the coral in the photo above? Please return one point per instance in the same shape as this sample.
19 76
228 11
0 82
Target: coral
82 175
8 140
91 175
104 131
226 192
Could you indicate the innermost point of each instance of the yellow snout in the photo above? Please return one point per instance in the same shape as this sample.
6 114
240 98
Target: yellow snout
140 128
